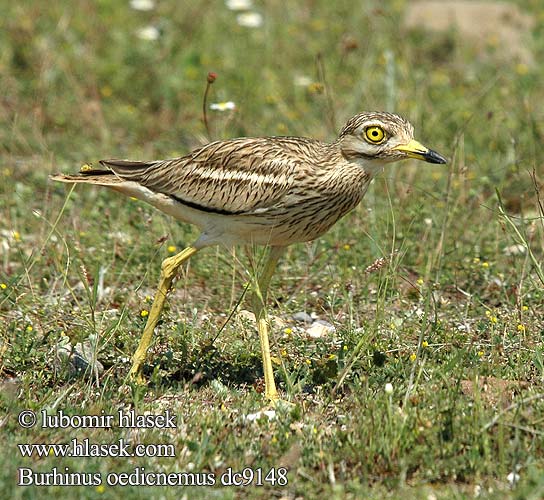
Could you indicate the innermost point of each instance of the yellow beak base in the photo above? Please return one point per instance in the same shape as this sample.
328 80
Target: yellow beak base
415 149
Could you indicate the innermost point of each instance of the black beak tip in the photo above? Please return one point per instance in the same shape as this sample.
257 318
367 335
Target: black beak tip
434 157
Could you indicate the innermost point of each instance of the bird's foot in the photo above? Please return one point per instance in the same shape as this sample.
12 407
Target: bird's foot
277 403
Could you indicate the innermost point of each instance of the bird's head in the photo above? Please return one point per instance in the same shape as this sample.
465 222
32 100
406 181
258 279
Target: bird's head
376 138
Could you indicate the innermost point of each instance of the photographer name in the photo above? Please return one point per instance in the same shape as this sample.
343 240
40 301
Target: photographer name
126 419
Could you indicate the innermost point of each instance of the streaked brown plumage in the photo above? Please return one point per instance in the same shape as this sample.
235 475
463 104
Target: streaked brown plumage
270 191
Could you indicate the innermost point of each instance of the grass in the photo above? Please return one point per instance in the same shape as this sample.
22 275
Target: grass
434 284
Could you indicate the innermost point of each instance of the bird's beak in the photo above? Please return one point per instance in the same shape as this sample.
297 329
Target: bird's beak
418 151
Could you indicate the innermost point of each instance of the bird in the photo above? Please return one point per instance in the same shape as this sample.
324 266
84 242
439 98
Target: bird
271 191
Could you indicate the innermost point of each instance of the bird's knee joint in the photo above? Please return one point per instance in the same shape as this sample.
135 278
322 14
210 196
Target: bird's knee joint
168 267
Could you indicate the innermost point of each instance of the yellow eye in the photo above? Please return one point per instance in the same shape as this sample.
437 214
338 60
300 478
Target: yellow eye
374 134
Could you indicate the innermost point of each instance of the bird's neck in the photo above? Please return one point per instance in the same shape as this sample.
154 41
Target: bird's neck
351 158
371 167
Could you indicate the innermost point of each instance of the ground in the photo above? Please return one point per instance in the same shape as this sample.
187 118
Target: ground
425 377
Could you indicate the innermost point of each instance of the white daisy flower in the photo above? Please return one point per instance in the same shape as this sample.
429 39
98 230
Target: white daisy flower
223 106
143 5
250 20
302 81
239 4
150 33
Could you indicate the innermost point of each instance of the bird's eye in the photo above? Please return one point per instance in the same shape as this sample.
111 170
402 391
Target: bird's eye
374 134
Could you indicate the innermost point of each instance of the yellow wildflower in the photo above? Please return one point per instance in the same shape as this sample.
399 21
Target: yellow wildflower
315 88
106 91
522 69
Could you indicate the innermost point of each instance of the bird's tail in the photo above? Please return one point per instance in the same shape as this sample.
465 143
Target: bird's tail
110 173
89 175
107 175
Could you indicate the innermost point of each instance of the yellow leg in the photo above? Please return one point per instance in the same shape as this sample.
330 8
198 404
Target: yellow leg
169 269
259 309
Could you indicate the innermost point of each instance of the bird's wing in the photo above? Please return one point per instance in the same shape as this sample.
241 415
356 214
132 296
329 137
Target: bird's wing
237 176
